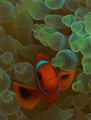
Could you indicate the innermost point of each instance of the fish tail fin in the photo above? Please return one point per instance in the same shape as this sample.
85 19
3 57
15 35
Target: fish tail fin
34 49
28 97
65 79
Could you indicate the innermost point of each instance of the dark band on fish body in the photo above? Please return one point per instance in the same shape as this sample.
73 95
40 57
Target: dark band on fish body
24 93
63 77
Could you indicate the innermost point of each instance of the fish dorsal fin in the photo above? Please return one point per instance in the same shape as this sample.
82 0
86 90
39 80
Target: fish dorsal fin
28 97
44 57
35 52
65 79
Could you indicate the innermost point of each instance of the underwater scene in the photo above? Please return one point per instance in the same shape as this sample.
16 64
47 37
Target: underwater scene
45 59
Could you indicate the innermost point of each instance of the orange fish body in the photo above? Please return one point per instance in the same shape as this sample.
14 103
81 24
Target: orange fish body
46 77
48 85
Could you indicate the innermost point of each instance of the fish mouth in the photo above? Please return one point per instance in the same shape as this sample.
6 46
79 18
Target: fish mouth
50 79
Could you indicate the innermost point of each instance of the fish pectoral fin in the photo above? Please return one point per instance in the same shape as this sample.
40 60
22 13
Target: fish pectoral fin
28 97
65 79
45 57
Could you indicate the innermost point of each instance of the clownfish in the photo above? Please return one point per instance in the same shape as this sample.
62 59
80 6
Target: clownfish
48 85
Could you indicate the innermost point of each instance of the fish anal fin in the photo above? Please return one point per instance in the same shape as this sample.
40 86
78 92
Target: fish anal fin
28 97
65 79
49 105
45 57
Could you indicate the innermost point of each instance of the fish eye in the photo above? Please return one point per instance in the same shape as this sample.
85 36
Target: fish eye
39 75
